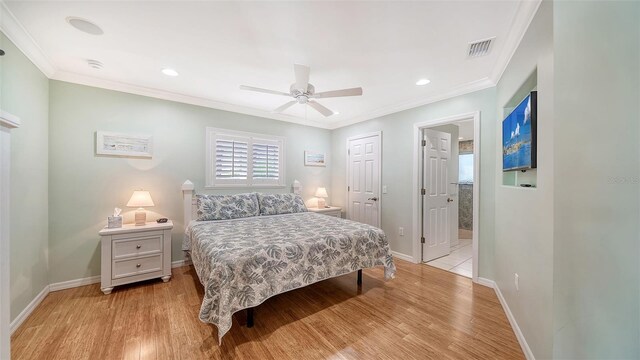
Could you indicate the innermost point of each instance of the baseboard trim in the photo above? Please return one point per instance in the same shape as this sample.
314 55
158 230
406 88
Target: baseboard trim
180 263
74 283
402 256
486 282
512 320
15 324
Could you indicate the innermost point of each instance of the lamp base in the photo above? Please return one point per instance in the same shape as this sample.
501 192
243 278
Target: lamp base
321 203
141 217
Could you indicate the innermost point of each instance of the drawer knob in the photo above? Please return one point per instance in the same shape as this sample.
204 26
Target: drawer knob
138 265
138 246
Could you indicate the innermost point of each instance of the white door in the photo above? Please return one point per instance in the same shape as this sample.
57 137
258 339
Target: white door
436 199
363 174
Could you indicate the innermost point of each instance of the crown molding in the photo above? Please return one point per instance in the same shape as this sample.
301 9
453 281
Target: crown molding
524 15
467 88
177 97
14 30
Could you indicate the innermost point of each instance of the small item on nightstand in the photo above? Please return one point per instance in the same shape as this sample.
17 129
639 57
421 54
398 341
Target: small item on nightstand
162 220
115 221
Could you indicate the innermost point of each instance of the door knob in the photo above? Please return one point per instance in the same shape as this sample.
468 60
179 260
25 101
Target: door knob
449 200
373 198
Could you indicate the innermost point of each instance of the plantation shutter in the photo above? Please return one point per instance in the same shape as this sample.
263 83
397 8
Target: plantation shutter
231 159
244 159
266 161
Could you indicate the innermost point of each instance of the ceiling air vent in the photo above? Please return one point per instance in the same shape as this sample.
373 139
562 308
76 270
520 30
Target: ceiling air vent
95 64
480 47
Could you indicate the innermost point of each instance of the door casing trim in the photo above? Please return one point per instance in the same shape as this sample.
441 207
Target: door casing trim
417 130
346 186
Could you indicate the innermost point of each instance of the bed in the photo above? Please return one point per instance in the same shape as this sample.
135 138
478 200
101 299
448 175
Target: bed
241 262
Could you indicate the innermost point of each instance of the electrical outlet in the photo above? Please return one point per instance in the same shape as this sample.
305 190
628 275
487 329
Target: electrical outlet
384 189
401 231
516 280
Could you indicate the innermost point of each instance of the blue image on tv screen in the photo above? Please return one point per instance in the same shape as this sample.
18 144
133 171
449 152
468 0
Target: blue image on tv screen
517 137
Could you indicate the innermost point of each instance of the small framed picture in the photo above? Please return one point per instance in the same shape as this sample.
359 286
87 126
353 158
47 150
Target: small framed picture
314 158
128 145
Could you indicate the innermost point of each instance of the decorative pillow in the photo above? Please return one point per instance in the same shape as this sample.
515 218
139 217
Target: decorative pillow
225 207
274 204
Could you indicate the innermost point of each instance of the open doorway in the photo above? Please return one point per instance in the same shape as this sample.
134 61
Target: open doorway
457 256
447 192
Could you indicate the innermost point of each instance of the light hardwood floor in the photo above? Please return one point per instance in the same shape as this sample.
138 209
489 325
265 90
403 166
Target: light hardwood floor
424 313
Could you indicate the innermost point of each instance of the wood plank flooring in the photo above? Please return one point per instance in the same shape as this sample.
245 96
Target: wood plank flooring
423 313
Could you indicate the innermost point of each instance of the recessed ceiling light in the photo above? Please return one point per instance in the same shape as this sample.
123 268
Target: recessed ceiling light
169 72
422 82
85 26
460 138
336 113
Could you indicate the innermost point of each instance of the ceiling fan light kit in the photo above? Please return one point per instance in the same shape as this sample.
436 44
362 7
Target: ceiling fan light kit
303 92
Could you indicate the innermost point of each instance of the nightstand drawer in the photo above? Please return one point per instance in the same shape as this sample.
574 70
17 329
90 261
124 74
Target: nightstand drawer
143 245
137 266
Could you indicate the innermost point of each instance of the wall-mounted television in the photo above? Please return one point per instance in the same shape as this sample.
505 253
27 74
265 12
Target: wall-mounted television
519 135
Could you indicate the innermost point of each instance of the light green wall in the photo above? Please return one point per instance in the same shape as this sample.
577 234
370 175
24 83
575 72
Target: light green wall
524 217
84 188
597 167
24 93
397 167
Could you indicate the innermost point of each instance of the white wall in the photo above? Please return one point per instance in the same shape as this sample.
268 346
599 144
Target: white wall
524 217
597 194
397 167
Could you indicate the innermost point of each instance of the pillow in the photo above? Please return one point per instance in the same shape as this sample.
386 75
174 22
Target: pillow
225 207
274 204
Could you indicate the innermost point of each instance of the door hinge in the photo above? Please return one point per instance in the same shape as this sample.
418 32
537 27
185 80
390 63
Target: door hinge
422 239
348 188
423 191
349 152
424 142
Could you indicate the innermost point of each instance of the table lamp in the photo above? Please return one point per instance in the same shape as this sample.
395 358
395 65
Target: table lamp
321 193
140 199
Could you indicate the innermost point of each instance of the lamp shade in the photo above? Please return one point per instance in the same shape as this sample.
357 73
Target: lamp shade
140 198
321 193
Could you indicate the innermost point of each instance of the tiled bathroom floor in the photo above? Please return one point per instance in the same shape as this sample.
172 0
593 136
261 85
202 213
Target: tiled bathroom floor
459 261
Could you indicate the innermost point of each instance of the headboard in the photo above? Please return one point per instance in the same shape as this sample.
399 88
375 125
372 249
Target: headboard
190 205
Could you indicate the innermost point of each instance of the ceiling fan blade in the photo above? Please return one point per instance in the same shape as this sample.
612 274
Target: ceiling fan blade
320 108
302 77
339 93
285 106
267 91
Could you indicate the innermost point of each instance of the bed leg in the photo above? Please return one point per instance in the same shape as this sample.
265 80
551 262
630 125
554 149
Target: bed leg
250 317
359 277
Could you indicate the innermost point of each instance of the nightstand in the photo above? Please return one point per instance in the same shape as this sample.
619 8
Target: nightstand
331 211
135 253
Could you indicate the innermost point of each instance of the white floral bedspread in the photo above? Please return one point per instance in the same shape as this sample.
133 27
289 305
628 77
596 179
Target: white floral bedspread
243 262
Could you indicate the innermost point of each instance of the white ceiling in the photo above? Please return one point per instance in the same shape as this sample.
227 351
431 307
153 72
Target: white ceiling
384 47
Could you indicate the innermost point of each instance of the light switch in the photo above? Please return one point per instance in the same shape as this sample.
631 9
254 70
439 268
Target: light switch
384 189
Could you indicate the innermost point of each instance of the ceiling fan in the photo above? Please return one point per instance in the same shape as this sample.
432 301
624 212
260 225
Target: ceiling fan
305 93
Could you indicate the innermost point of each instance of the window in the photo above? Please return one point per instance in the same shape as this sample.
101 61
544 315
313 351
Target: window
236 159
465 169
